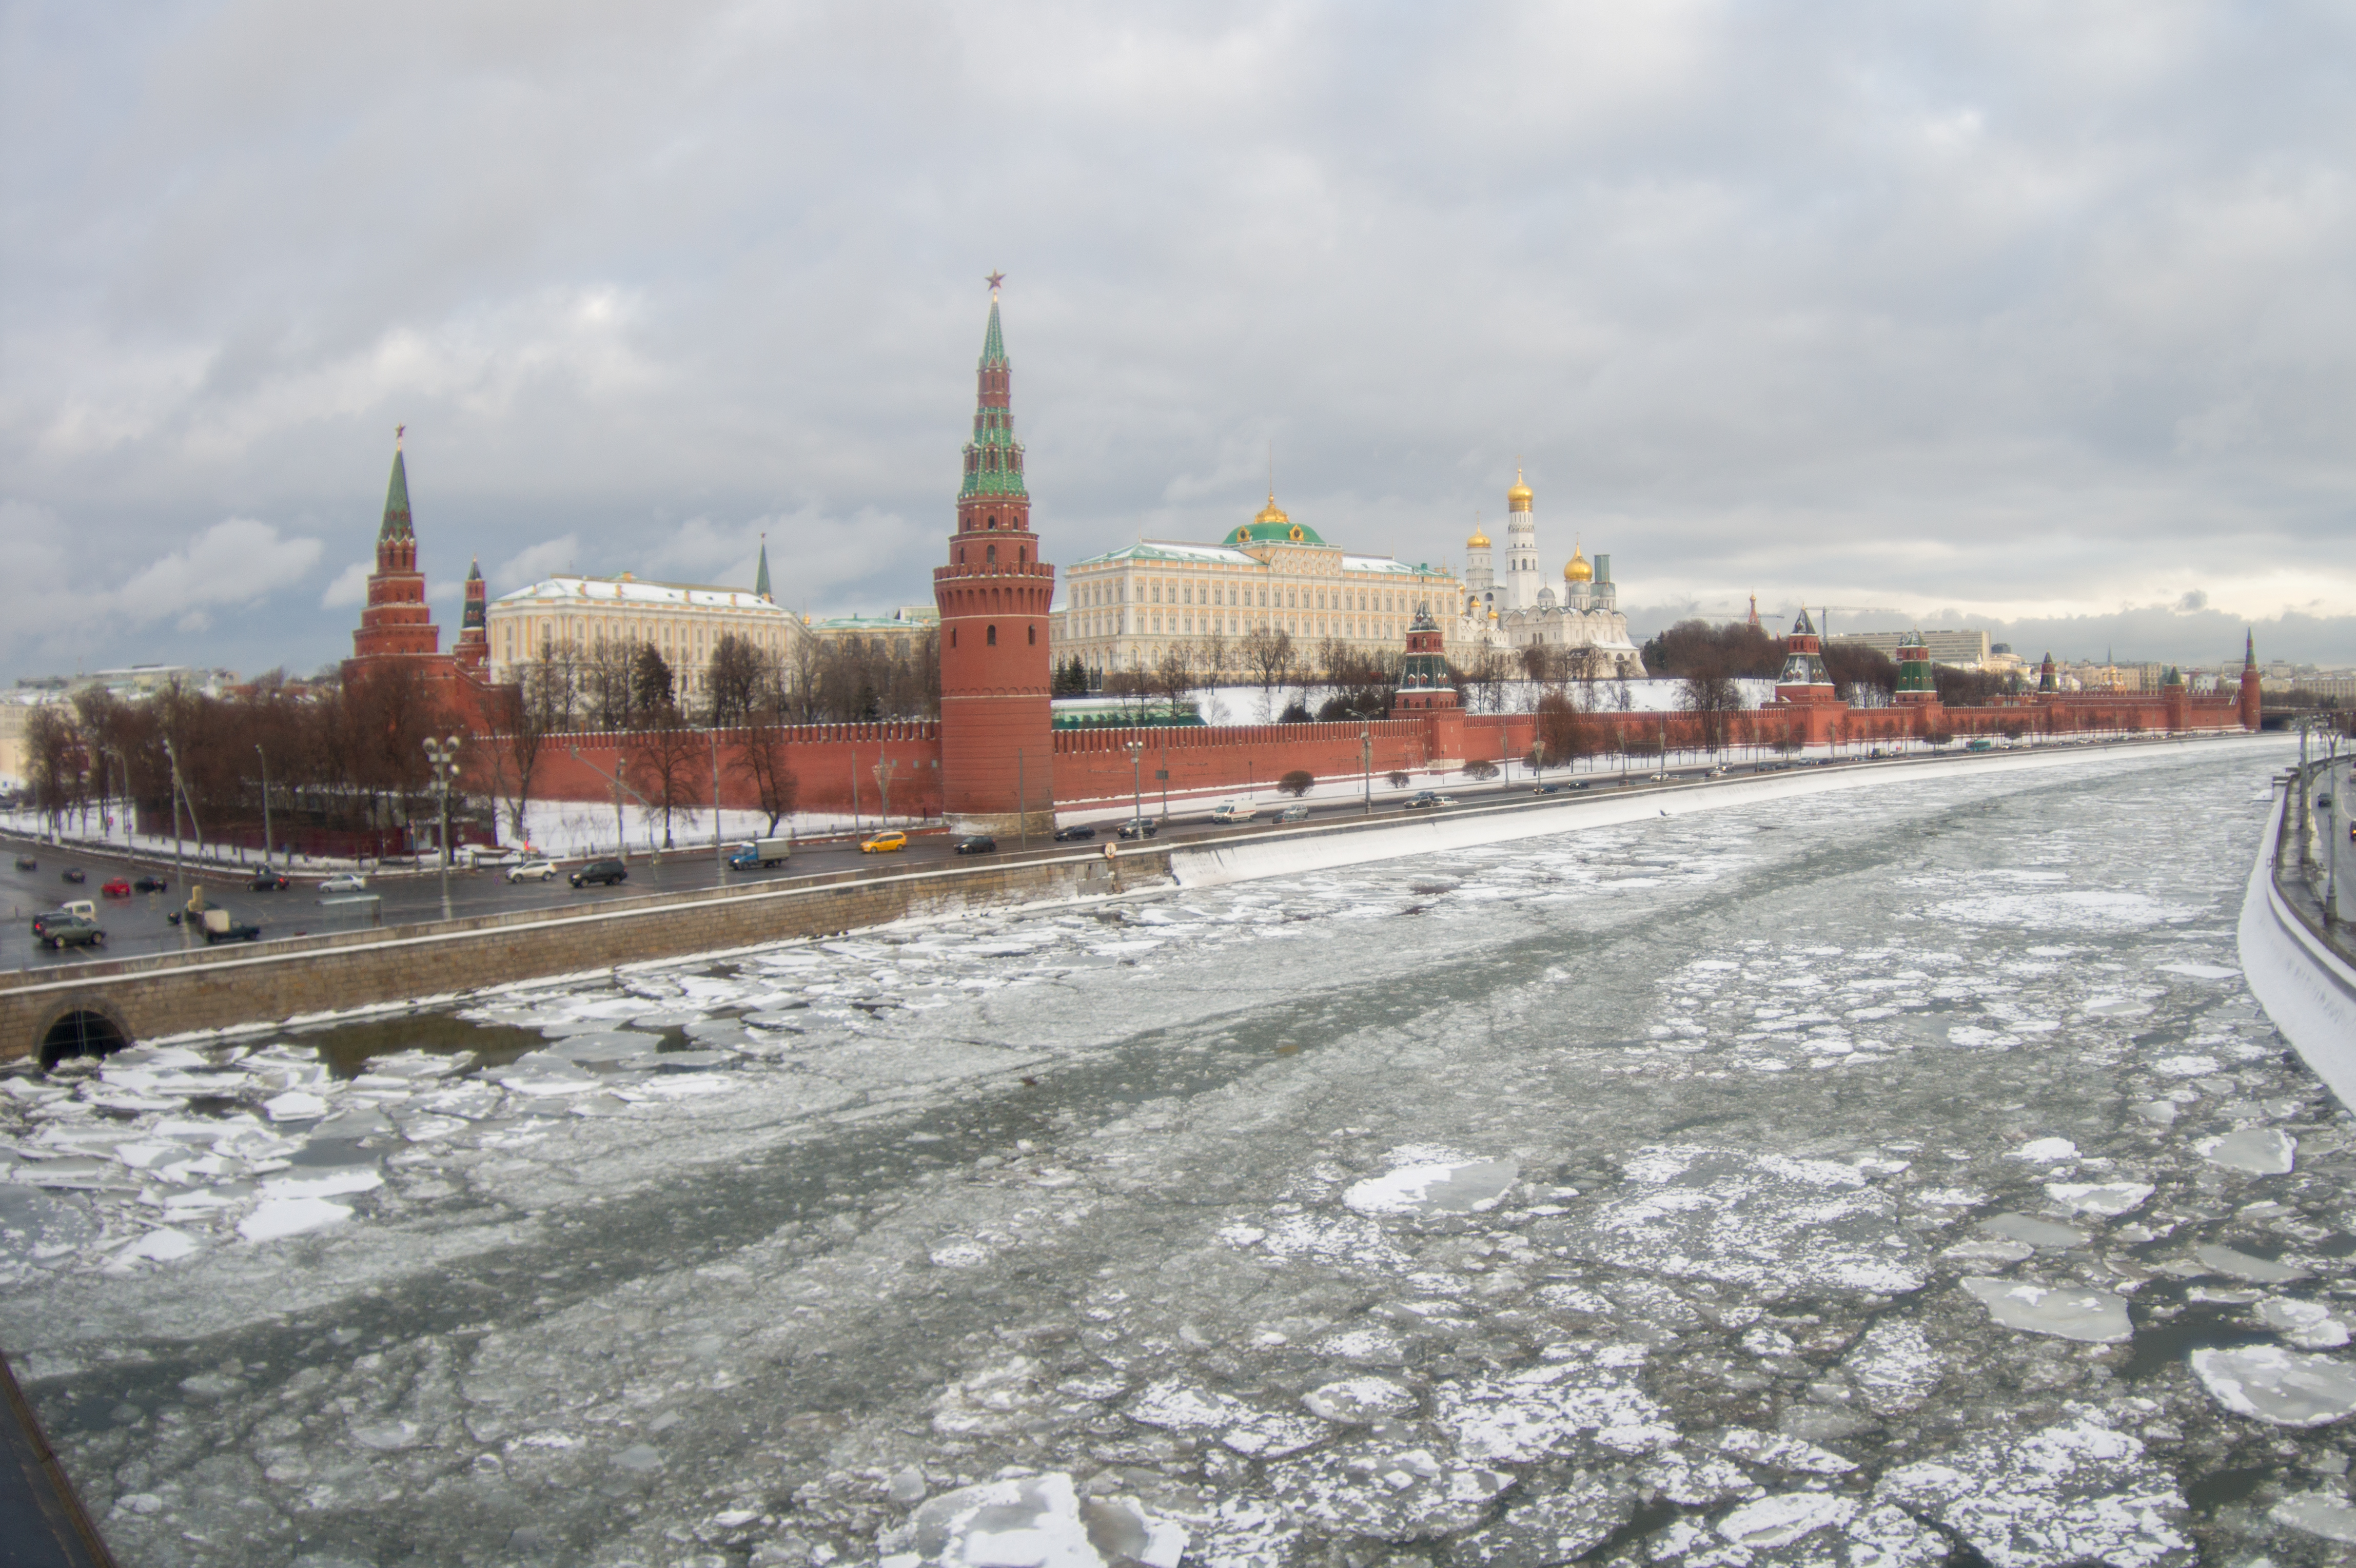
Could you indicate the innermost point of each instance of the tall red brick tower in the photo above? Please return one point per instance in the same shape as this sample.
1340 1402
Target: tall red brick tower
997 740
396 620
2253 700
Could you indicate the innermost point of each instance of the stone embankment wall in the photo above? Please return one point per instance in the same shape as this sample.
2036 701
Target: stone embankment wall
142 998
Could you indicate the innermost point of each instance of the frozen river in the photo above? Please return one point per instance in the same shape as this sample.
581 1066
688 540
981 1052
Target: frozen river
1870 1178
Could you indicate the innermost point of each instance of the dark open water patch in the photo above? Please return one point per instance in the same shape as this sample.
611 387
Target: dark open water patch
346 1047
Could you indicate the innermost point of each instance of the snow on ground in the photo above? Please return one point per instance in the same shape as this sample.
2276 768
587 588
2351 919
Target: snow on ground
1764 1186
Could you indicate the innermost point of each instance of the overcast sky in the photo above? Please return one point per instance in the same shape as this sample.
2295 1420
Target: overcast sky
2040 318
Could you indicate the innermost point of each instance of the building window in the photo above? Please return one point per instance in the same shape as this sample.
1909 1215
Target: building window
991 637
992 556
1032 634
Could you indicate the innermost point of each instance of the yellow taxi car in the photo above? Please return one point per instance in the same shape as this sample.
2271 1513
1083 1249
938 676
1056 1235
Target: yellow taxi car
884 844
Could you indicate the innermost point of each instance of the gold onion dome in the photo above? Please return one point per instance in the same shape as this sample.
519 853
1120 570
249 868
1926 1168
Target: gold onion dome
1271 512
1479 541
1518 497
1576 569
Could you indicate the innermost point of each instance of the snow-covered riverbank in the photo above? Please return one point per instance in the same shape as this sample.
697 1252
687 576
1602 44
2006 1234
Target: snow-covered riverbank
1833 1180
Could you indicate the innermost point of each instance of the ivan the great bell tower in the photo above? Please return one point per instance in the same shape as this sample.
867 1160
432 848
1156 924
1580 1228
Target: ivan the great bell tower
997 741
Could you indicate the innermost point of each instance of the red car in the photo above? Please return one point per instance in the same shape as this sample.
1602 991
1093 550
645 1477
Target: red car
117 888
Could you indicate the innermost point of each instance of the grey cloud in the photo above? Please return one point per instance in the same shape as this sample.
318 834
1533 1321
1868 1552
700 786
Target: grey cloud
2019 311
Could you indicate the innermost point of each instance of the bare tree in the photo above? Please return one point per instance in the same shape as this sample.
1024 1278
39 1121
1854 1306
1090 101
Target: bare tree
760 759
733 681
1711 696
1267 657
663 760
1217 654
1173 675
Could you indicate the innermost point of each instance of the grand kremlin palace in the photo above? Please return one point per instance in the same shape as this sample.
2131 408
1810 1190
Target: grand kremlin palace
684 620
1125 609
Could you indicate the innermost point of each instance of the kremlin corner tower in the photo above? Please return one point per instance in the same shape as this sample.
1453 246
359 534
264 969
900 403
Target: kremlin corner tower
996 736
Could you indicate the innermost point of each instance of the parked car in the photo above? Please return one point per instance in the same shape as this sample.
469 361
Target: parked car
888 842
1234 812
1139 828
116 887
600 873
270 881
73 931
1078 832
1293 815
151 882
533 870
345 881
976 843
26 862
1423 801
75 875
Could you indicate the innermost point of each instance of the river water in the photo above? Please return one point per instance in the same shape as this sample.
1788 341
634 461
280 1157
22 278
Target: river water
1878 1178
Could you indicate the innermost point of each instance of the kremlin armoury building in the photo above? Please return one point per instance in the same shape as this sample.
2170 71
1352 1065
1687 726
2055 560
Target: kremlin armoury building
995 761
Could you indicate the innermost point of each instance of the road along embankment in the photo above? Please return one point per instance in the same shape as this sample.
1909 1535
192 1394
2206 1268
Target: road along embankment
1328 846
2308 990
41 1010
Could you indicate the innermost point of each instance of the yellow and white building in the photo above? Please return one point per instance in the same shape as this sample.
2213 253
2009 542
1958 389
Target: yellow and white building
1125 609
683 621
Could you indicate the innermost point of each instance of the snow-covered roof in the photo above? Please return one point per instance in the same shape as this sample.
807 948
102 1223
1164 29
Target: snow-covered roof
1222 555
626 591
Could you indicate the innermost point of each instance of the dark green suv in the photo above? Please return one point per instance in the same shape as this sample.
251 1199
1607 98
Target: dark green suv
71 932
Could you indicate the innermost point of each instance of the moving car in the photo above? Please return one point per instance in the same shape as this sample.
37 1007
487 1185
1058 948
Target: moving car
26 862
71 932
761 854
1549 789
600 873
79 909
1423 801
480 856
1076 833
151 882
976 843
1139 828
533 870
1234 812
221 925
270 881
75 875
1293 815
886 843
345 881
116 887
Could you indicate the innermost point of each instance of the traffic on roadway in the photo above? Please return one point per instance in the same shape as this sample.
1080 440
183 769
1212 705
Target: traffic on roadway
140 904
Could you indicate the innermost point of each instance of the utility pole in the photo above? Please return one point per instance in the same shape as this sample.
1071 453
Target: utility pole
719 860
180 876
1367 763
1136 780
443 755
266 839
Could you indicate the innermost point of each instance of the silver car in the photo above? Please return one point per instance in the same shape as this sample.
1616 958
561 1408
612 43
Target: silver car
533 870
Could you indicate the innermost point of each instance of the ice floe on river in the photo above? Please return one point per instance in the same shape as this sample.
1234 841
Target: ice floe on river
1840 1183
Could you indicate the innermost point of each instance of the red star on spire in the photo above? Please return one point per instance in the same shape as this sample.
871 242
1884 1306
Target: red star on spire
994 280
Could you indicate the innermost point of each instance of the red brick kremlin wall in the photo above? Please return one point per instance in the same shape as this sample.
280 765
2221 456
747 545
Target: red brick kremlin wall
1091 767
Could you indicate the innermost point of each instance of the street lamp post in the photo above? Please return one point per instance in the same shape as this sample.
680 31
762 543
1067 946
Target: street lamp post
1366 764
266 839
1136 779
443 755
180 876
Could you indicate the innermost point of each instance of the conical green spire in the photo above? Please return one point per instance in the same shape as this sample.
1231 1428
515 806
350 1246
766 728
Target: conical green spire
396 502
993 346
761 577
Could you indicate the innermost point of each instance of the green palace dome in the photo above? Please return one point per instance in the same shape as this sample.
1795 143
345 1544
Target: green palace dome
1272 526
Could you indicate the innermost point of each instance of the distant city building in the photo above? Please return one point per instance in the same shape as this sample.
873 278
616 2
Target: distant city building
1128 608
1524 609
1964 650
682 621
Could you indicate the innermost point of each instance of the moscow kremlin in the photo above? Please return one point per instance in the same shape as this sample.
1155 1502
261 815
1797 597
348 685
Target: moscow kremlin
995 760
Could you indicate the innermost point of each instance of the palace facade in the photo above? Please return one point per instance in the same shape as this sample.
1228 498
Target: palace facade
1131 607
683 621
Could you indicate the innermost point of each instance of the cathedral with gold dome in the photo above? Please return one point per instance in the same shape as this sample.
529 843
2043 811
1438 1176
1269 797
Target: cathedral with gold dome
1524 609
